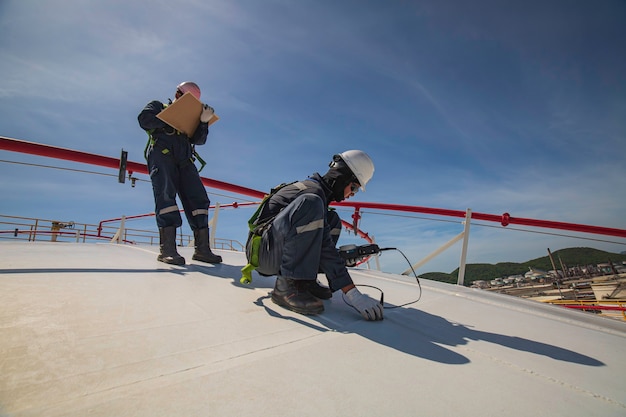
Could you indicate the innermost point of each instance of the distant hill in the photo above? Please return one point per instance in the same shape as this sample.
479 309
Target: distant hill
570 257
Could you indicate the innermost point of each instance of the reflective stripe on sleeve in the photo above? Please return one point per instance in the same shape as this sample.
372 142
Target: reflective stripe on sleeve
317 224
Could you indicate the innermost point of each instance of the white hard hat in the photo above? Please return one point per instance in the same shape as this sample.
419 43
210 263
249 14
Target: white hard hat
360 164
189 87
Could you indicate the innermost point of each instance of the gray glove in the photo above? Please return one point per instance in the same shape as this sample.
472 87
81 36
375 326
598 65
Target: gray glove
369 308
207 113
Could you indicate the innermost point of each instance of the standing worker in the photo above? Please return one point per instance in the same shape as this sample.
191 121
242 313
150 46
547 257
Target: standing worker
298 235
170 156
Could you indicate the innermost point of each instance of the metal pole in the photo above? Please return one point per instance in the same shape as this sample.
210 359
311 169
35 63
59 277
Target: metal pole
376 257
419 264
468 217
213 224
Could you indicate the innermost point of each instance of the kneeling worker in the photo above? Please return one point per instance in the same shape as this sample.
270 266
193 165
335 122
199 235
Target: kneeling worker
299 233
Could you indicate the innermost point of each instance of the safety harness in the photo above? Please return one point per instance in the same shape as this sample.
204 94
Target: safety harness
152 141
256 232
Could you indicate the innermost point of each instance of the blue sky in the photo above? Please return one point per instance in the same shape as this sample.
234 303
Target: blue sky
511 106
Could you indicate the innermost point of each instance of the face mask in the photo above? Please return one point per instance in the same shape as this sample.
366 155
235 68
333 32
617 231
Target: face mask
337 180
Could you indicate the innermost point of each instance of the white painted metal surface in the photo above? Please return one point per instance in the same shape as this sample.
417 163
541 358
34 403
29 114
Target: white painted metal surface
106 330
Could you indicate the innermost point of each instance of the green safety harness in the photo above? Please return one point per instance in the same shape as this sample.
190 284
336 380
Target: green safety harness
254 237
152 141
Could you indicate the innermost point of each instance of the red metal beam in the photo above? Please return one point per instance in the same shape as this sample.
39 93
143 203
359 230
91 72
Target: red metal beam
592 307
139 216
505 219
358 231
32 148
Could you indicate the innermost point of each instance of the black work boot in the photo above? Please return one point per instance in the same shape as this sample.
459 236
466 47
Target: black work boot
315 289
167 246
293 295
203 251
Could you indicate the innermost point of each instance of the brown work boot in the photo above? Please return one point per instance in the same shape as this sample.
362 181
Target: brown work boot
315 289
294 295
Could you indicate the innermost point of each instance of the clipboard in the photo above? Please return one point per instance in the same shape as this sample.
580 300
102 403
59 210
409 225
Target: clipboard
184 114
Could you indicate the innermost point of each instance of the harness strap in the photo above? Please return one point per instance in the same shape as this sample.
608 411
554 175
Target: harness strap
256 233
198 157
246 271
151 141
149 144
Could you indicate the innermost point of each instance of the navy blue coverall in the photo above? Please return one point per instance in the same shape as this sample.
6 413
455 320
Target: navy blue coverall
172 171
303 235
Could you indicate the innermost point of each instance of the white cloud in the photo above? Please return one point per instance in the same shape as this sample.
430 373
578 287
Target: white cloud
295 83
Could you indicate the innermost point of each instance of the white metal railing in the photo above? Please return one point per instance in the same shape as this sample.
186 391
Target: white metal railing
34 229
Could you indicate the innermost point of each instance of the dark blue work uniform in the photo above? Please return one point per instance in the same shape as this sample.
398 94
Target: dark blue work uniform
172 171
303 235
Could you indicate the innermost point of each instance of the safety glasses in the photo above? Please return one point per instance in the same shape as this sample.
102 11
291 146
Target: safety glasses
354 187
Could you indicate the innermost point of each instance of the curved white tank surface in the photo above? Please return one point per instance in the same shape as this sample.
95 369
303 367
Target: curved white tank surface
106 330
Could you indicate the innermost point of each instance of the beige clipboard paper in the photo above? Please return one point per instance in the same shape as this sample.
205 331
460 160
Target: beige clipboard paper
184 114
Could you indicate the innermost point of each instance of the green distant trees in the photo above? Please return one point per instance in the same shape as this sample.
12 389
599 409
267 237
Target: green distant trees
570 257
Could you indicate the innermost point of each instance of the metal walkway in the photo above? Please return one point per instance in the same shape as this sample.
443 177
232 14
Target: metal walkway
106 330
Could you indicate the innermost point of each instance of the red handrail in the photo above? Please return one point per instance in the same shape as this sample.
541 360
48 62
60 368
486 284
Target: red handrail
32 148
592 307
505 219
139 216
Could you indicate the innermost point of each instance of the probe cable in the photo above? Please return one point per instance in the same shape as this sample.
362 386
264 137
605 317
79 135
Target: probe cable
382 294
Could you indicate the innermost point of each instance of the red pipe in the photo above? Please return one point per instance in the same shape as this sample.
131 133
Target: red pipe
16 145
138 216
593 307
22 146
358 231
504 219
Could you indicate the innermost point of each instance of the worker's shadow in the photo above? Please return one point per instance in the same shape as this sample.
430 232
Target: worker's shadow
424 335
408 330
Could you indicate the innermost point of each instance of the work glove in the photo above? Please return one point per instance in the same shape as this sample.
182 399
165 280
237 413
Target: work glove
207 113
369 308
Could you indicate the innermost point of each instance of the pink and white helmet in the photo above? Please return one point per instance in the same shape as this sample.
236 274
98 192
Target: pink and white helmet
188 87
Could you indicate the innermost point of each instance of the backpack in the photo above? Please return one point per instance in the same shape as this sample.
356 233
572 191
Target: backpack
255 234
